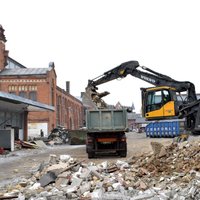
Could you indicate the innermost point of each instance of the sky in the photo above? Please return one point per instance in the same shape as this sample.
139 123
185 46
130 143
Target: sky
87 38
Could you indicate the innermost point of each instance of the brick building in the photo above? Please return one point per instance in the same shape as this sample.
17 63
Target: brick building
39 84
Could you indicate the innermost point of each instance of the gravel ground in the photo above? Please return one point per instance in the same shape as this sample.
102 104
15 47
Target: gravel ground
20 163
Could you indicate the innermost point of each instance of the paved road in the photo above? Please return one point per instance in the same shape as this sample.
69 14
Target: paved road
21 163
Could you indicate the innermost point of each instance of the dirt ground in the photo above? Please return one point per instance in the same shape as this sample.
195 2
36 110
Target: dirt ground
22 162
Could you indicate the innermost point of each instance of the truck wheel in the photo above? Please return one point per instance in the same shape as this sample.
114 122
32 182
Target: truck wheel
123 153
90 155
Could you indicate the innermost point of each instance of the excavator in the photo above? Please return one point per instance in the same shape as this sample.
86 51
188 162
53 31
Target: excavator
168 99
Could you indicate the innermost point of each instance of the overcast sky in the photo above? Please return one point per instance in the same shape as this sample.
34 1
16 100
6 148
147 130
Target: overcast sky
86 38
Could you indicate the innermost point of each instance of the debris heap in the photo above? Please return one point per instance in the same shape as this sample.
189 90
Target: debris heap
170 172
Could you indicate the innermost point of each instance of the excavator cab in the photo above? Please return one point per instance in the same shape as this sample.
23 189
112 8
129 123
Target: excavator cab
158 102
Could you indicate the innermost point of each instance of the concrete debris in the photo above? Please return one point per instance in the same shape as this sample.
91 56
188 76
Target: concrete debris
19 144
29 145
170 172
40 143
61 135
47 178
58 136
65 158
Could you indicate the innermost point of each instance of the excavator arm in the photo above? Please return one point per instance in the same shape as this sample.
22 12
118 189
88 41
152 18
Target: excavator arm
118 72
146 74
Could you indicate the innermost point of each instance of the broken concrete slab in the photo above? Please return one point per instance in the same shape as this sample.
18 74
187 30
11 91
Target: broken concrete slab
86 186
76 181
64 158
52 159
47 178
114 196
40 143
57 168
156 147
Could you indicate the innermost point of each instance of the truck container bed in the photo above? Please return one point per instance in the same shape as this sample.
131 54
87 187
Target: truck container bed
106 132
107 120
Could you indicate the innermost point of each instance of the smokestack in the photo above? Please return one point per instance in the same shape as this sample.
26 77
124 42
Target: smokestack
68 87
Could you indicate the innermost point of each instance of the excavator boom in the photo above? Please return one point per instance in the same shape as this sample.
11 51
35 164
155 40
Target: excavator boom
146 74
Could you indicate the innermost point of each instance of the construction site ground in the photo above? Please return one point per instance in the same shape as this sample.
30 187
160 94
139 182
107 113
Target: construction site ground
21 163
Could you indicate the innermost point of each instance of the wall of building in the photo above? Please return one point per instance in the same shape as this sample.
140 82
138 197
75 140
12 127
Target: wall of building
69 110
46 93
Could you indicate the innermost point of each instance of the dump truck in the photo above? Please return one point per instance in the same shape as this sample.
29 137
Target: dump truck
106 132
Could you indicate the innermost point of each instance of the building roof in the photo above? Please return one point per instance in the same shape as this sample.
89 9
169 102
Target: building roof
24 71
11 102
13 63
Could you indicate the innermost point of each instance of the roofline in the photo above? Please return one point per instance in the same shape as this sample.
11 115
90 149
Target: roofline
12 98
16 62
64 92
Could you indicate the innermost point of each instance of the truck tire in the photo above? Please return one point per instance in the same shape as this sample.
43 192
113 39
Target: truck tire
123 153
90 155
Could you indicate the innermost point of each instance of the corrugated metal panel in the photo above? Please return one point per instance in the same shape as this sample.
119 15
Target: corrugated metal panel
24 71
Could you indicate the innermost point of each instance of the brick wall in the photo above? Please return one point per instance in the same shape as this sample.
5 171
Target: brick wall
46 88
69 110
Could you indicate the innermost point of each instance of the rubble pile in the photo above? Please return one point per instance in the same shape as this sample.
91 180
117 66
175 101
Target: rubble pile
58 135
170 172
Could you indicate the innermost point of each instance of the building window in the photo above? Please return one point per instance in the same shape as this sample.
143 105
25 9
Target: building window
59 100
52 92
32 88
33 95
12 88
22 94
58 115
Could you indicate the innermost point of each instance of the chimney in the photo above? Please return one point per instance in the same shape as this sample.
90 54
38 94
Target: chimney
68 87
2 36
3 52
